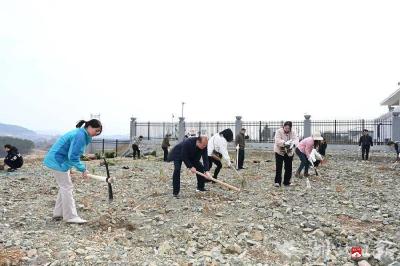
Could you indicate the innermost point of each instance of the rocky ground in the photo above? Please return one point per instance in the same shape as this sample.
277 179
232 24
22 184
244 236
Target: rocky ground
351 203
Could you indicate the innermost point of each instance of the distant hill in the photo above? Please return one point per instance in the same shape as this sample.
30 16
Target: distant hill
18 132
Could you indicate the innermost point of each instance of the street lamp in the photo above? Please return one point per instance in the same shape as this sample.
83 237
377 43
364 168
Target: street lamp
172 125
183 103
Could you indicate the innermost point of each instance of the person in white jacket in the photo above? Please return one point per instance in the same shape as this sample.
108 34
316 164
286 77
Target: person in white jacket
217 149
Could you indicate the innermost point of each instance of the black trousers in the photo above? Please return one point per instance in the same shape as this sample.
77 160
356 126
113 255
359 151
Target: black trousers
241 159
218 163
165 154
14 164
365 151
279 160
176 177
135 149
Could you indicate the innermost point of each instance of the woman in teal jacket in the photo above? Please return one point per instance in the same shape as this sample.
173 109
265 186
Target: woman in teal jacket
64 155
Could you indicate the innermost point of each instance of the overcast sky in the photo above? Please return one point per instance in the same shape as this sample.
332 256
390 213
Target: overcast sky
264 60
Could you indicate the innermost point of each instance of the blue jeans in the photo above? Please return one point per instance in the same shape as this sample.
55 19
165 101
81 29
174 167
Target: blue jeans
304 163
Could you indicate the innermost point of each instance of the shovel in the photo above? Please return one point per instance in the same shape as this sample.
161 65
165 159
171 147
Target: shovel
218 181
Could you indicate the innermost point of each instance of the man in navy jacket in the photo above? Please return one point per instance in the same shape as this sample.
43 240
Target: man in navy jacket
189 151
365 142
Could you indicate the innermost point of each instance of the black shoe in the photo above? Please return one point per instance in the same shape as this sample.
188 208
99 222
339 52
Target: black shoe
57 218
201 190
176 196
11 170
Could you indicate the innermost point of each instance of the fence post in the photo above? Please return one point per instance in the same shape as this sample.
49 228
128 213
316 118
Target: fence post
395 126
260 134
133 128
148 130
181 128
102 147
335 130
307 126
238 125
217 126
116 147
199 128
163 129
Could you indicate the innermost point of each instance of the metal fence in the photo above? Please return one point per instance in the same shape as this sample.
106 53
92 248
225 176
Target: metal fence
157 130
350 131
335 131
264 131
109 145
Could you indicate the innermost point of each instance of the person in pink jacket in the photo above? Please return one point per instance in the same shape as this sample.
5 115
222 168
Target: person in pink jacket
304 150
286 141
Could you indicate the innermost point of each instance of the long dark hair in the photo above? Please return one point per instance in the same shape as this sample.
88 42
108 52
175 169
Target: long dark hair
317 143
94 123
288 123
11 147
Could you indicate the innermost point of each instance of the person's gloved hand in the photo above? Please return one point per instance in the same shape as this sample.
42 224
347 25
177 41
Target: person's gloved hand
288 143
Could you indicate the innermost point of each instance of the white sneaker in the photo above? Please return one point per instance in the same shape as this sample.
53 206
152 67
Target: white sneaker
76 220
277 185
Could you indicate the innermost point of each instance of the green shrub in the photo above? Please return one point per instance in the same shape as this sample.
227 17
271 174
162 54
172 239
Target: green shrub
24 146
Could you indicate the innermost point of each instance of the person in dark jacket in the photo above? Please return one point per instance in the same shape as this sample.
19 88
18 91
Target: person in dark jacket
365 143
240 145
165 145
13 159
137 146
189 151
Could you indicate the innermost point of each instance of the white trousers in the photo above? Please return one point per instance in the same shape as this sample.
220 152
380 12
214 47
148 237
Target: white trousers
65 204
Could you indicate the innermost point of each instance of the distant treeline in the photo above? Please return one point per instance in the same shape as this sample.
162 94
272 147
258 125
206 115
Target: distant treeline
24 146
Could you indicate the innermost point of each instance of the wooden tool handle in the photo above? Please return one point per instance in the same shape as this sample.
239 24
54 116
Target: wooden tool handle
218 181
101 178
